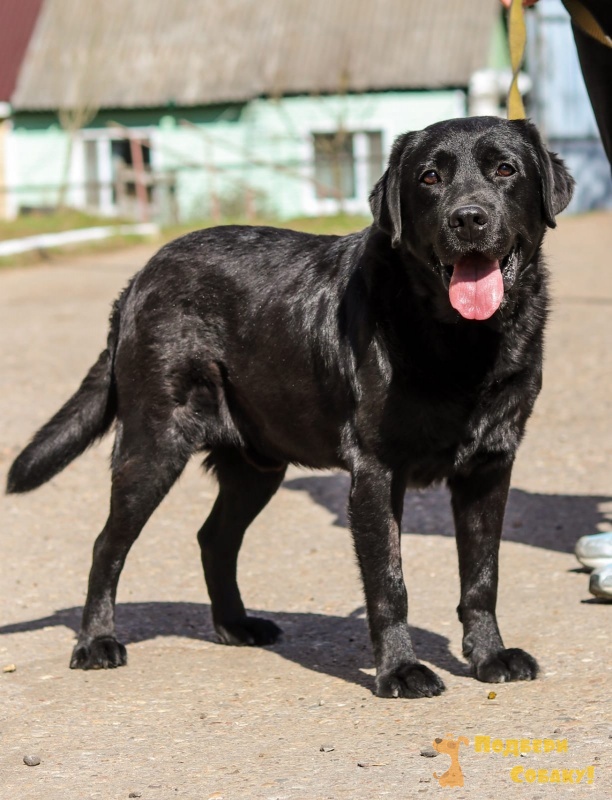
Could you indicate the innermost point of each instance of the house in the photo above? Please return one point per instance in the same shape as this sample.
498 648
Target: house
207 109
17 20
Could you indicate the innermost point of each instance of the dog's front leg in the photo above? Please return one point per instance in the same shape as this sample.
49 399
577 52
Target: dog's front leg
375 509
479 502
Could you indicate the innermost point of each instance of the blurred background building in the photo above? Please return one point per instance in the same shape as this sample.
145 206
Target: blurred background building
259 108
17 20
559 103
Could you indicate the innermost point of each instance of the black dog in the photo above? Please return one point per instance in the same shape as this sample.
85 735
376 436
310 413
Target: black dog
408 353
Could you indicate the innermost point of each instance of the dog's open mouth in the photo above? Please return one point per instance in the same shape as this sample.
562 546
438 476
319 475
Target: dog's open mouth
476 287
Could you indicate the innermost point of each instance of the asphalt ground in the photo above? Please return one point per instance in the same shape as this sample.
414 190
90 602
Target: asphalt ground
191 718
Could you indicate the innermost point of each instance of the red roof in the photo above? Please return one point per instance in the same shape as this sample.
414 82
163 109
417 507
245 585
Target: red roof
17 20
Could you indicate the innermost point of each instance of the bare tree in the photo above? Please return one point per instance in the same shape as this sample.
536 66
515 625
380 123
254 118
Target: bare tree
81 60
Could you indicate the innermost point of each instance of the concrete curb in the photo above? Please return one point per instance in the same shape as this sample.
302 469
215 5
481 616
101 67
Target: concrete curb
46 240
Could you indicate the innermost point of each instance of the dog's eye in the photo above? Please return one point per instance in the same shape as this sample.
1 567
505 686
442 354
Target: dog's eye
430 177
505 170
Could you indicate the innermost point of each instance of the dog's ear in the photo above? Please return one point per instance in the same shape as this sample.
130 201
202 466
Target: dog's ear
385 200
557 184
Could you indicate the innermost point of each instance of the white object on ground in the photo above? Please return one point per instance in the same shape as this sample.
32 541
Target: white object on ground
42 241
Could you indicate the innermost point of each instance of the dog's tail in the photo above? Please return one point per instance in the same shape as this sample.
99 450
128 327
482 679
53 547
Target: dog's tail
86 417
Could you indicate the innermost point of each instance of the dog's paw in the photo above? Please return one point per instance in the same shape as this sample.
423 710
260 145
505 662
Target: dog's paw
250 631
507 665
104 652
409 680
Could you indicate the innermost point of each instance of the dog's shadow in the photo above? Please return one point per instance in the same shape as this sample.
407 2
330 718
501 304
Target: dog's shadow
339 646
553 522
336 646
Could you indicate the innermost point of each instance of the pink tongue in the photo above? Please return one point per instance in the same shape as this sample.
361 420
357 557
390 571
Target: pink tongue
477 287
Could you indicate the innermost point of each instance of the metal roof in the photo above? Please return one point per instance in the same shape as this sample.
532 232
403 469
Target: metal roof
151 53
17 19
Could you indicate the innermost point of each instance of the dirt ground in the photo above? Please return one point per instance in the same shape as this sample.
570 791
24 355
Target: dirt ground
190 718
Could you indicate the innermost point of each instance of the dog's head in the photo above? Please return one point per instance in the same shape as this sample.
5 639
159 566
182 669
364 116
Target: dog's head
470 199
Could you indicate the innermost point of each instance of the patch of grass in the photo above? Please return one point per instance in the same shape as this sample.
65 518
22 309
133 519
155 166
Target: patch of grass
69 219
338 224
36 223
32 257
52 222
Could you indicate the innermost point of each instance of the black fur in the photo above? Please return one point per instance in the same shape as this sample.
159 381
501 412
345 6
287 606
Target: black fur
264 347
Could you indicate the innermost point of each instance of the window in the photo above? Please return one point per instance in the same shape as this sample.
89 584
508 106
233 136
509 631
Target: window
122 151
374 157
109 174
346 164
92 174
334 163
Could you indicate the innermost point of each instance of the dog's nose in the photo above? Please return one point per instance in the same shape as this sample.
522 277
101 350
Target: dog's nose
468 222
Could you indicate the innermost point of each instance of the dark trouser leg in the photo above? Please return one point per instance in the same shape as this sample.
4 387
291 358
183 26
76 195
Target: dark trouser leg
244 490
479 502
596 64
375 511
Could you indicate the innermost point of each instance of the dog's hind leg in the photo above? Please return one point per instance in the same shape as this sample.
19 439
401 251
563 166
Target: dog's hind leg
144 468
244 489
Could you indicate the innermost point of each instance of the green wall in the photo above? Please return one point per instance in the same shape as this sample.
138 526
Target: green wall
258 153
